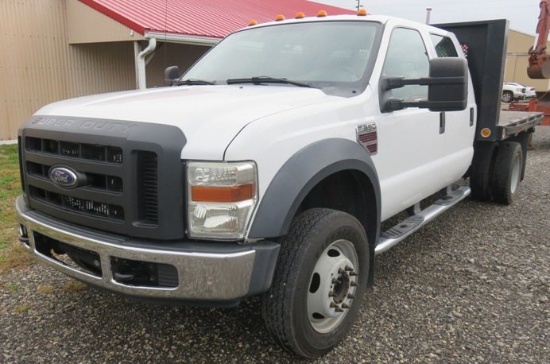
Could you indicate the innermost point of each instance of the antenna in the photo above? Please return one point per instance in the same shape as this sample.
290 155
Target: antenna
428 12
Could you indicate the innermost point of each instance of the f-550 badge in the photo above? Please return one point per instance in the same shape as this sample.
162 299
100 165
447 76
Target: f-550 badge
368 137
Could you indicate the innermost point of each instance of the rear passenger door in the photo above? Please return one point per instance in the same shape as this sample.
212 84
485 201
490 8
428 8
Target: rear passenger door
459 126
410 142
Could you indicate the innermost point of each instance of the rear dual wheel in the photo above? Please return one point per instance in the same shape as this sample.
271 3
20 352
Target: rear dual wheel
507 172
319 282
497 172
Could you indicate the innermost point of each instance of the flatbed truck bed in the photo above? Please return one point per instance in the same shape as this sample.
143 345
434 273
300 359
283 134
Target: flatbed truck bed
513 122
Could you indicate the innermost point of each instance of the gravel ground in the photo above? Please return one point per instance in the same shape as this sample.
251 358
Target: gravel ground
471 287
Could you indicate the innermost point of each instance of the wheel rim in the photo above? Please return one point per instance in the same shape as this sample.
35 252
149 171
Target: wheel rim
332 286
515 175
506 97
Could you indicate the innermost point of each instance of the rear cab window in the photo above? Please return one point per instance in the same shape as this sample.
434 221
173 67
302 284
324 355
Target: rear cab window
444 46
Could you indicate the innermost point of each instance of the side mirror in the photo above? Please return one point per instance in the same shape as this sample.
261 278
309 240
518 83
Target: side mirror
449 90
171 75
447 87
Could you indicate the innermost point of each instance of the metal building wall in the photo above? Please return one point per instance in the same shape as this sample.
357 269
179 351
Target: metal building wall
33 60
38 66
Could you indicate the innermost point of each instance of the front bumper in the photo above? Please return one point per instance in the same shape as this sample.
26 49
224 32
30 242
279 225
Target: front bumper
203 271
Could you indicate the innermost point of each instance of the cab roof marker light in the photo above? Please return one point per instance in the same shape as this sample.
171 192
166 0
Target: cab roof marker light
321 14
362 12
280 17
252 22
300 15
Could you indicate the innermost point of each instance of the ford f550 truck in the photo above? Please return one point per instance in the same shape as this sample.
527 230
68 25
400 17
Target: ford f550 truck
269 166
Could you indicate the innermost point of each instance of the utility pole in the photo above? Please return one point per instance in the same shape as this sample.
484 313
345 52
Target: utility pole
358 6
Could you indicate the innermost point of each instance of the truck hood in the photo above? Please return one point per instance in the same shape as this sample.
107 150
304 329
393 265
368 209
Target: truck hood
209 116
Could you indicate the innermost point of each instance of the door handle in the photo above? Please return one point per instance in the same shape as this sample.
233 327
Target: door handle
441 123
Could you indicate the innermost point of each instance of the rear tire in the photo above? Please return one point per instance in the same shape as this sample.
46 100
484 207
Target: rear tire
482 170
319 282
508 172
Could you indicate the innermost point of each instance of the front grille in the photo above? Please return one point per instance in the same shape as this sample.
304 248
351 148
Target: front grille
92 152
95 180
148 181
115 171
87 207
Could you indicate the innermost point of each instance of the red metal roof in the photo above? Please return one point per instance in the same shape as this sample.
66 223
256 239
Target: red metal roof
207 18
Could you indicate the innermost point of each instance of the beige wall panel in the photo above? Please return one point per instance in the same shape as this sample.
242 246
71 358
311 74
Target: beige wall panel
170 54
38 66
33 59
87 25
102 67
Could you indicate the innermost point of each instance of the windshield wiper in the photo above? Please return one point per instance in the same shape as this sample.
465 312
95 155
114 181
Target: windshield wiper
193 81
266 79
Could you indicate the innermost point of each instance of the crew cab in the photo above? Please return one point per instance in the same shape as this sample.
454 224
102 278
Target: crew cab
269 166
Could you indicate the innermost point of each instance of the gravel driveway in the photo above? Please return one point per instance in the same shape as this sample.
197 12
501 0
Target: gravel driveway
471 287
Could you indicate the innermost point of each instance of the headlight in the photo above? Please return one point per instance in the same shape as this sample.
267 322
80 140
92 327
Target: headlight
221 198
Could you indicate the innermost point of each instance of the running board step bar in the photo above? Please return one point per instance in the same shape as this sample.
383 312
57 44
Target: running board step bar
408 226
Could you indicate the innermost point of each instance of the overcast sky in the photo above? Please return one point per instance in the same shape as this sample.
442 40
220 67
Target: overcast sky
522 14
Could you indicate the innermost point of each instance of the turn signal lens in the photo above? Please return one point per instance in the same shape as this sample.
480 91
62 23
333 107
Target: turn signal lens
222 194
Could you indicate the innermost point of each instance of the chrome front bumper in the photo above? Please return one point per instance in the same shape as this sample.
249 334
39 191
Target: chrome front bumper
204 271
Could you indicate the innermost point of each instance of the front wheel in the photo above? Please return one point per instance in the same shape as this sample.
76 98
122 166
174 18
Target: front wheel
319 282
507 96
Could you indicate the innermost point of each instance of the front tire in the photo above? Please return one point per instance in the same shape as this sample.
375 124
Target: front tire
507 96
319 282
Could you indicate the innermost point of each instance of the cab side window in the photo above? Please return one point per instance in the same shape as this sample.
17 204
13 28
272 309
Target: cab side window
407 57
444 46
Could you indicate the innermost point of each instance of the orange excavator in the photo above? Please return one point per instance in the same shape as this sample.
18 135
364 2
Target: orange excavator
539 60
539 64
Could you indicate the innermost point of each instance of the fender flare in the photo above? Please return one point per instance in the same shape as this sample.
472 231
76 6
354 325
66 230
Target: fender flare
300 174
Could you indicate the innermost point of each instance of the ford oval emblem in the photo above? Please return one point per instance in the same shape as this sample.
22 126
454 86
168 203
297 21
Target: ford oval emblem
63 177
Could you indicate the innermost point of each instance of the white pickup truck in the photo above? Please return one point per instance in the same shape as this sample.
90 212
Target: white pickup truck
270 165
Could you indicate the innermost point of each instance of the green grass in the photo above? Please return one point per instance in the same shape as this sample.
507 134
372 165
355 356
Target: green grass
11 253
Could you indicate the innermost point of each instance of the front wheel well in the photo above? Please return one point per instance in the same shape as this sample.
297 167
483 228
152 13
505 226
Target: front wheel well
349 191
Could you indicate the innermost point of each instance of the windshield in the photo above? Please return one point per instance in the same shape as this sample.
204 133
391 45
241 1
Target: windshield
335 55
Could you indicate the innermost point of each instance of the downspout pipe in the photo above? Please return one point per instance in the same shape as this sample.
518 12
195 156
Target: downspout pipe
141 61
